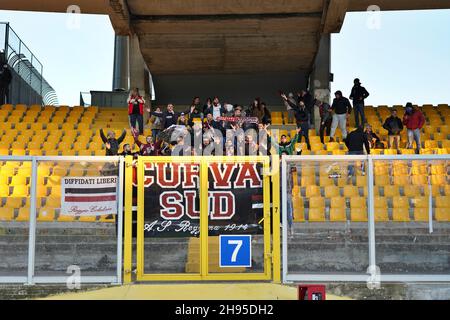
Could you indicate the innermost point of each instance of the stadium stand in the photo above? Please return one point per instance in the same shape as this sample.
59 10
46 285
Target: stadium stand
58 131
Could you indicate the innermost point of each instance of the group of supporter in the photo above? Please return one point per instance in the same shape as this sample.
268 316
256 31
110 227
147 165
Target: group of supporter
216 128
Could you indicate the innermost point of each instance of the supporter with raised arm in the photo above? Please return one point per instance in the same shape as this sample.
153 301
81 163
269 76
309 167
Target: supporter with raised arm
136 110
156 123
301 116
358 95
414 121
341 107
216 109
394 126
285 147
111 143
147 148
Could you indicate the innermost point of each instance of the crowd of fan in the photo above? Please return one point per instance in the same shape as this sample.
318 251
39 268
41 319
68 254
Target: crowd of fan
225 129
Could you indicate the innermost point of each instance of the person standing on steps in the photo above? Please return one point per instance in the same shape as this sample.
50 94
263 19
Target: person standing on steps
358 95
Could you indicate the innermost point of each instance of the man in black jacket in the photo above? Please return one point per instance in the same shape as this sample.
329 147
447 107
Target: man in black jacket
111 143
302 118
394 126
358 95
356 141
305 97
5 81
342 108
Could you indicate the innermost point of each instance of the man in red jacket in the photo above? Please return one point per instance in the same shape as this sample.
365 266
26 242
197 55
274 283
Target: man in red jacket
136 110
414 120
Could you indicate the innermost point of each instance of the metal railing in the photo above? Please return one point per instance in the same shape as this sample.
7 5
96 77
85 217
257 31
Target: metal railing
31 278
375 250
28 68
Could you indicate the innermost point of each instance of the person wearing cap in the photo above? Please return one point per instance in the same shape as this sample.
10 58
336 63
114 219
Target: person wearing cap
182 120
372 138
341 107
358 95
414 121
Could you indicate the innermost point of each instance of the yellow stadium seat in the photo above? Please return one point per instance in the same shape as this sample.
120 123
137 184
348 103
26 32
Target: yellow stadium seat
361 181
87 219
358 214
68 126
381 212
51 152
298 209
89 152
34 145
316 202
34 152
59 171
308 180
338 214
421 214
20 191
430 144
331 191
6 214
18 152
52 126
443 202
7 171
391 191
400 214
411 190
400 202
426 151
324 181
438 180
350 191
317 147
400 169
407 151
8 107
18 145
54 181
382 180
53 202
79 146
4 151
19 180
402 180
58 119
442 214
55 191
358 202
4 179
317 214
49 145
22 126
312 191
63 218
420 202
419 180
332 146
14 202
46 215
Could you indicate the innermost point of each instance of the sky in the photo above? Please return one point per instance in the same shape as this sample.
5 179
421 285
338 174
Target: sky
406 59
399 56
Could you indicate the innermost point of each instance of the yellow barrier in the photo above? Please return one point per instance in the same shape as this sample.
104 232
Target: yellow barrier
271 254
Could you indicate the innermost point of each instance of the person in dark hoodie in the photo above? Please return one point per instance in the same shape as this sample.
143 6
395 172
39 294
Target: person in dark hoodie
394 126
342 108
301 116
306 97
5 81
356 141
326 117
358 95
111 143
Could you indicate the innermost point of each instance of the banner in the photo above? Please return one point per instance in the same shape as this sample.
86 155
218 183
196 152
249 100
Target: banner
88 196
172 199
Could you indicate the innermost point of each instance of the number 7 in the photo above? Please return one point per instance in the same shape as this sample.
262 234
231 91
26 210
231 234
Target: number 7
238 244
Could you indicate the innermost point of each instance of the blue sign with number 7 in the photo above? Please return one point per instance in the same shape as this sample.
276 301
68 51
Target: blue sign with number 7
235 251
